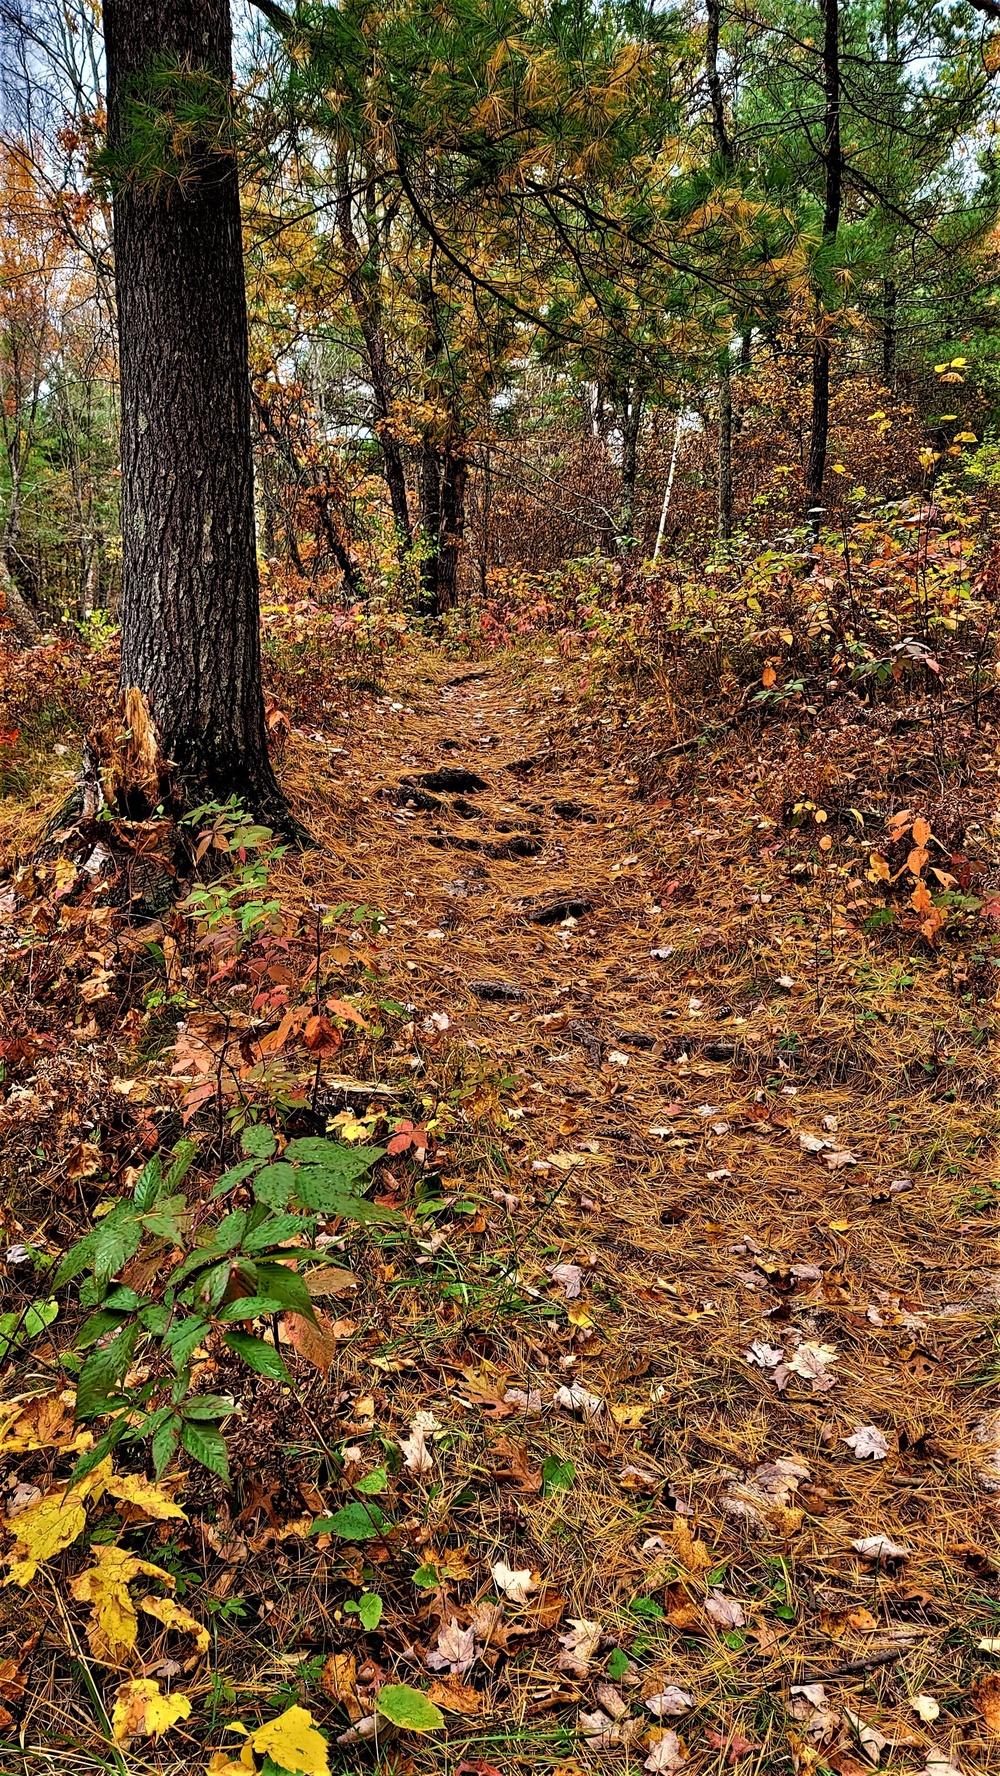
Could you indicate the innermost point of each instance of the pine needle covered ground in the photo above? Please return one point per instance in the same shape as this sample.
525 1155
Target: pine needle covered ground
678 1378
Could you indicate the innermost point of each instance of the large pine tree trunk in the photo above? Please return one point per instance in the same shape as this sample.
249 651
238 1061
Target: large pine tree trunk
190 595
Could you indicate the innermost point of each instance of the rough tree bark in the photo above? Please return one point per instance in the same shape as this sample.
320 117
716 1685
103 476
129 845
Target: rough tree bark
833 165
190 595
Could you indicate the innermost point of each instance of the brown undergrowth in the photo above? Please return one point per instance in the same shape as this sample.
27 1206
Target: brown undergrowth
711 1169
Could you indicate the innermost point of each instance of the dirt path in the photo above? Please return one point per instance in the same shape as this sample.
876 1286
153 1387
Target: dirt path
780 1342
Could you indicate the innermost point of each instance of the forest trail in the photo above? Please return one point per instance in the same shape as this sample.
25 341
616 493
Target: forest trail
741 1232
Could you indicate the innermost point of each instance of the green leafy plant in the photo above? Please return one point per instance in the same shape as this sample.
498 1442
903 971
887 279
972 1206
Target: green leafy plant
232 1271
21 1325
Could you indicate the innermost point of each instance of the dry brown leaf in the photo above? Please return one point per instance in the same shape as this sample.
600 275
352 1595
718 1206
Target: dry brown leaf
986 1700
455 1696
339 1681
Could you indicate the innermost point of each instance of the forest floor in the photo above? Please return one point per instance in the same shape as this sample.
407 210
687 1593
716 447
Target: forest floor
706 1310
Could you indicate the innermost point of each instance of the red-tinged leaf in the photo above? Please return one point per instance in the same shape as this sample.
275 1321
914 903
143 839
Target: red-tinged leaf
733 1744
420 1137
398 1144
317 1344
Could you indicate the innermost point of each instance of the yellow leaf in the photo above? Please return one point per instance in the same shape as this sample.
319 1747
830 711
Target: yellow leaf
629 1417
579 1314
173 1616
841 1226
51 1524
140 1708
838 468
291 1741
149 1500
113 1622
690 1554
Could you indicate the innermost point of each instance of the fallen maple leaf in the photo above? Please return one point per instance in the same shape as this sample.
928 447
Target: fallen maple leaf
579 1646
518 1586
455 1696
571 1278
416 1454
725 1611
868 1440
577 1398
666 1753
455 1651
733 1744
880 1547
668 1702
291 1741
111 1630
179 1620
141 1708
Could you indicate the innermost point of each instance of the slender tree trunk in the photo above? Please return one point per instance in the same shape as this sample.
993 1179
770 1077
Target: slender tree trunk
833 160
429 487
631 427
190 597
366 309
725 454
727 154
889 332
451 537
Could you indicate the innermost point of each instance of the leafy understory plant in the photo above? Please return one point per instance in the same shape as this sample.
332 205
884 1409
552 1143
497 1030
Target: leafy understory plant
232 1271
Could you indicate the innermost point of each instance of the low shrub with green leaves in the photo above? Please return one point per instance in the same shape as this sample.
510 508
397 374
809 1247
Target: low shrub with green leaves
234 1269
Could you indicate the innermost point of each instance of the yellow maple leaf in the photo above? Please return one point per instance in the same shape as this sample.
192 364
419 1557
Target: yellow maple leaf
141 1708
111 1630
180 1620
51 1524
291 1741
148 1500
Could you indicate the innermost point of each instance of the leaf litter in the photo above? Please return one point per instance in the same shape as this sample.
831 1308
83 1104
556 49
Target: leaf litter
769 1406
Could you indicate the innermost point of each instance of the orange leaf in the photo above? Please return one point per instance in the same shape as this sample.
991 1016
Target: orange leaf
321 1037
921 830
340 1008
768 677
317 1344
916 860
920 899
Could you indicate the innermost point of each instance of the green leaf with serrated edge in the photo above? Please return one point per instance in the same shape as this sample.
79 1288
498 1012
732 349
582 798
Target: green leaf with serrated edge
183 1159
288 1287
122 1300
249 1307
327 1199
212 1285
352 1523
208 1406
274 1229
259 1355
373 1483
234 1176
94 1328
232 1230
148 1184
183 1337
164 1442
317 1150
273 1185
370 1610
617 1664
206 1445
92 1458
557 1476
155 1318
81 1256
199 1259
102 1372
258 1140
409 1709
